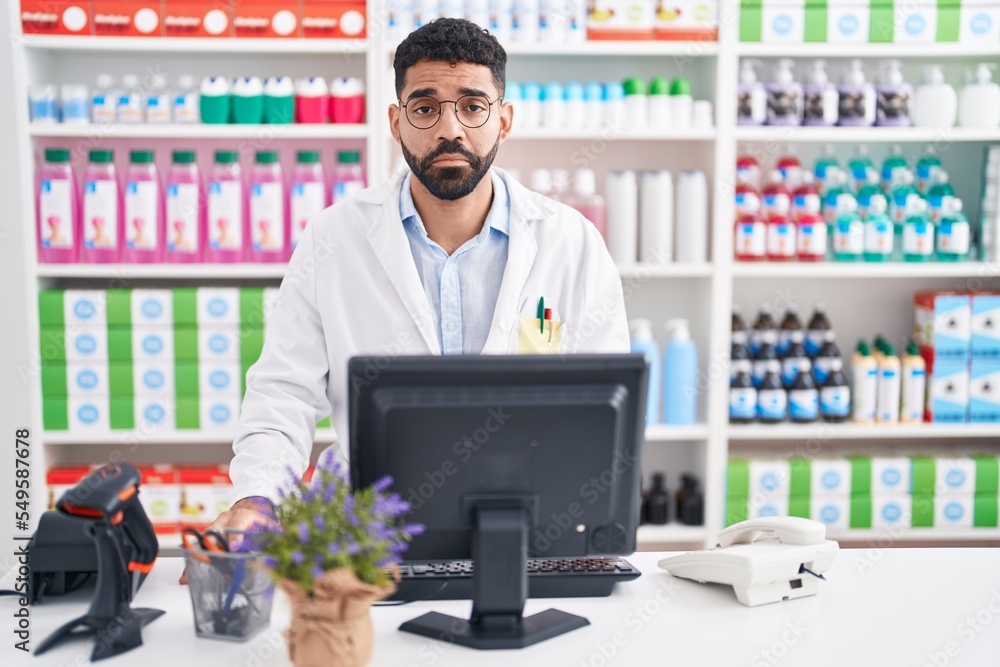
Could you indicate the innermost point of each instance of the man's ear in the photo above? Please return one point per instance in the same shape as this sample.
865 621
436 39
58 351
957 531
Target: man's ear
394 121
506 120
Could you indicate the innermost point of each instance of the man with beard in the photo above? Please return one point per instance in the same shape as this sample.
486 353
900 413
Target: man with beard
453 257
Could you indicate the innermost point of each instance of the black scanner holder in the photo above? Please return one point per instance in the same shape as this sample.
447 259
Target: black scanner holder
107 501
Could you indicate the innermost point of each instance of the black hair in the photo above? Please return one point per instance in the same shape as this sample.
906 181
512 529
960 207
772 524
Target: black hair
451 41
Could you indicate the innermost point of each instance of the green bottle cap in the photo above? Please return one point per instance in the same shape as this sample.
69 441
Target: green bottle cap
183 157
102 156
57 155
912 349
267 157
227 157
864 349
659 86
634 86
348 157
141 157
307 157
889 350
680 86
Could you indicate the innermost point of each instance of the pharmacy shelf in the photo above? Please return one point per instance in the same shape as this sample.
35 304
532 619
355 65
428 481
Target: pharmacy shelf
199 131
647 49
828 50
194 45
643 271
884 537
802 134
865 270
177 438
611 134
823 432
127 272
650 537
668 433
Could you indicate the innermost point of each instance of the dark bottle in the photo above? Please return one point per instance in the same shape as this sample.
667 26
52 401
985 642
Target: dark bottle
658 501
835 395
772 400
790 364
818 325
643 509
742 399
738 325
824 360
690 502
803 398
766 357
790 323
763 324
739 356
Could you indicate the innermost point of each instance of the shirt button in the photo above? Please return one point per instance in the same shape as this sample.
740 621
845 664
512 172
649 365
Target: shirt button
451 326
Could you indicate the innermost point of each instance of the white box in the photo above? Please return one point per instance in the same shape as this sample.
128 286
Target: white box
85 378
953 512
219 413
153 377
222 379
89 414
153 345
773 506
783 22
831 477
979 21
87 343
160 496
954 476
205 494
916 21
155 413
892 510
891 475
848 21
218 305
834 512
769 479
85 307
153 307
219 343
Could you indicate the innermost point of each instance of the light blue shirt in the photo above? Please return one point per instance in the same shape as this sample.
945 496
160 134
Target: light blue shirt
462 289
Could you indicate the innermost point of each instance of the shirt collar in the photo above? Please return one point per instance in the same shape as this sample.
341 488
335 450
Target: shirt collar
498 217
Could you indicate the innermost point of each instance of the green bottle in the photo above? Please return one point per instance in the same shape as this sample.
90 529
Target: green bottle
823 166
894 163
848 231
939 192
953 232
901 190
928 163
870 189
858 167
918 231
879 234
837 180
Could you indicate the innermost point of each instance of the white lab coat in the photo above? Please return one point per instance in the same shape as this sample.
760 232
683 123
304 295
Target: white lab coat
352 288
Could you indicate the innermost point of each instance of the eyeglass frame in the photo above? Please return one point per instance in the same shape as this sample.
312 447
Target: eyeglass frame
441 109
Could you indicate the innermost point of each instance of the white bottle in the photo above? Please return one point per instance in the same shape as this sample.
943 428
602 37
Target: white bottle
656 217
527 18
531 106
576 20
552 21
478 12
636 104
593 104
660 104
104 101
159 102
130 100
615 111
502 20
73 97
553 106
935 103
576 108
979 101
889 387
622 226
186 100
691 220
751 104
914 385
402 14
820 97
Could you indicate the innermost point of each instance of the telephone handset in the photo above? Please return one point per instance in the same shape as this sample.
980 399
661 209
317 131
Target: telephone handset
786 529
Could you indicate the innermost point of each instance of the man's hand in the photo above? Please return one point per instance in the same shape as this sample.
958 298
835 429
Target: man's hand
243 515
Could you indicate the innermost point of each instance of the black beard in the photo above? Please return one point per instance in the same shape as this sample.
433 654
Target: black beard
450 183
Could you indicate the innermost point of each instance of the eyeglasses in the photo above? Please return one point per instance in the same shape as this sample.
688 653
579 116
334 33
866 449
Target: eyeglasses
424 112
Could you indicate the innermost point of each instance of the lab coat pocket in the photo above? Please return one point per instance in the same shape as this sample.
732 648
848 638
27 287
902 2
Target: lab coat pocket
532 339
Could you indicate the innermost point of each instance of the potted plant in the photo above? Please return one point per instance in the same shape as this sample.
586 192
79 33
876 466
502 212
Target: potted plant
334 552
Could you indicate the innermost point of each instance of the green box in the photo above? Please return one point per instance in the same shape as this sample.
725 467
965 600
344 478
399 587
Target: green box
186 343
51 308
861 475
861 511
883 22
121 412
186 306
55 413
736 510
949 20
188 415
799 506
815 28
54 382
985 511
120 343
923 471
186 378
751 20
922 510
738 479
987 475
119 307
52 344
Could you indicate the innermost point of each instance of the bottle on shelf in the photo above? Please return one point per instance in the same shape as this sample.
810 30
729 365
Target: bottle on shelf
143 212
636 105
953 233
658 501
803 397
979 100
576 108
279 100
215 102
784 96
642 342
159 102
848 231
591 206
691 217
831 198
747 197
186 100
816 329
870 190
348 176
927 166
680 375
858 166
101 210
793 358
806 198
935 103
889 386
864 384
835 395
857 97
790 323
690 501
764 323
766 357
748 171
656 212
742 398
347 100
226 210
918 232
268 222
879 234
914 384
312 100
823 361
821 168
131 101
894 96
681 103
750 242
307 192
104 101
811 238
58 209
740 358
772 399
184 231
939 192
248 100
893 167
622 191
554 105
781 238
821 99
738 325
751 103
790 168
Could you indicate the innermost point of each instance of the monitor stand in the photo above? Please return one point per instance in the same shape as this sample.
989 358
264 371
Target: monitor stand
499 586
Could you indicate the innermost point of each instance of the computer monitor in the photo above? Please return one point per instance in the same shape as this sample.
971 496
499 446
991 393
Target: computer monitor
504 458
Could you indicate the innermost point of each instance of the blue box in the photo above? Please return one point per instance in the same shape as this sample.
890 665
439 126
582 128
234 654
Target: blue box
943 324
984 392
948 397
986 326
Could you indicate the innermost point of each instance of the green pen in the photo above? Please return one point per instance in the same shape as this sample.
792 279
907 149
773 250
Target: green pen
541 314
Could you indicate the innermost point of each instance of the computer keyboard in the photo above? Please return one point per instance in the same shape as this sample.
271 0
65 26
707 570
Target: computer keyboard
547 578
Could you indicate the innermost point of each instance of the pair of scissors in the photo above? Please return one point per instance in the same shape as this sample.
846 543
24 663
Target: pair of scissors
213 542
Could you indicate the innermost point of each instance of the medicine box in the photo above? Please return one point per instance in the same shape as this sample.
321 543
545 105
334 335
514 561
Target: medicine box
154 377
206 492
153 345
891 475
694 20
128 18
834 512
955 476
155 413
152 308
333 19
621 19
986 326
984 391
160 495
916 21
220 379
56 17
219 343
948 392
891 510
979 21
265 18
831 477
86 414
218 305
943 324
197 18
60 479
848 21
81 308
219 413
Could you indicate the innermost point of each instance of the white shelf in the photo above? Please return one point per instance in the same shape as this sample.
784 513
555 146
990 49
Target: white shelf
667 433
827 50
671 533
605 48
640 271
610 134
865 270
802 134
888 536
194 45
274 271
829 432
200 131
325 435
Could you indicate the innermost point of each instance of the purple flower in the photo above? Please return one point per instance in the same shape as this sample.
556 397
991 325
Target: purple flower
319 522
298 558
303 532
385 562
349 511
382 484
414 529
269 561
353 548
317 572
333 548
327 460
308 495
391 506
318 559
328 492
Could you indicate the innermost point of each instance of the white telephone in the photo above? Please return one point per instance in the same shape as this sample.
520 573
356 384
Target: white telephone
764 560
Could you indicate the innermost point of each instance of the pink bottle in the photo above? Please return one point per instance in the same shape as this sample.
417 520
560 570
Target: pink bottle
184 229
811 237
307 194
143 211
777 197
102 205
347 100
748 170
57 205
781 245
226 210
747 198
791 170
268 217
585 199
348 176
750 244
805 198
312 100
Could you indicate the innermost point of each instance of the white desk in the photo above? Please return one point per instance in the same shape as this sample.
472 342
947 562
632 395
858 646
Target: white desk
879 607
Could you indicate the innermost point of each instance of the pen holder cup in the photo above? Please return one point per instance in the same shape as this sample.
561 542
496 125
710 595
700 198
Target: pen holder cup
231 594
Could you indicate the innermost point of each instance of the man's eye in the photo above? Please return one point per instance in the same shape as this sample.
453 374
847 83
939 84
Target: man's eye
424 110
475 108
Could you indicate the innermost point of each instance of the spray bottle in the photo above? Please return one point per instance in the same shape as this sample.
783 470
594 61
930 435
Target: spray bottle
864 374
914 384
889 386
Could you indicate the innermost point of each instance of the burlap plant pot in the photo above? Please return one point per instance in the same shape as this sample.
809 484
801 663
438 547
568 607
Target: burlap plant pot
333 627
